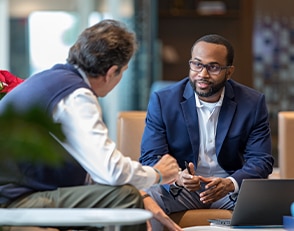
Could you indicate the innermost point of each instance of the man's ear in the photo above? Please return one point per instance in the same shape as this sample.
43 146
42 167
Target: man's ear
111 73
230 72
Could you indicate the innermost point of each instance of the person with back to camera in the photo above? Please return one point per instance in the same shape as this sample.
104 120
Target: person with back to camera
219 127
69 93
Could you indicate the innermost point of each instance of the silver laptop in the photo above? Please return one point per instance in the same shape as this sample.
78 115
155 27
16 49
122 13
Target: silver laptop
261 202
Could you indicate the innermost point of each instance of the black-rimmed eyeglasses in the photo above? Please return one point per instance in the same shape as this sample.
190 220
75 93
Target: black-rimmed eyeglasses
213 69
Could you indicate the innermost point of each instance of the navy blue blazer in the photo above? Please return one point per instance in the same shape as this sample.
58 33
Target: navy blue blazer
243 139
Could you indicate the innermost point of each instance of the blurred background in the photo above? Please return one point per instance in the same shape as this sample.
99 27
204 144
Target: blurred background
36 34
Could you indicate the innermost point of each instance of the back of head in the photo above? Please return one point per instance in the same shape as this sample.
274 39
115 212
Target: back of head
101 46
218 39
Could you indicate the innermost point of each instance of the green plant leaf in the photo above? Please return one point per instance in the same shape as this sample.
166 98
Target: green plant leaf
26 137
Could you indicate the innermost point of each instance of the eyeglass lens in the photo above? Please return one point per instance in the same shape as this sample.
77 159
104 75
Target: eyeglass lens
211 68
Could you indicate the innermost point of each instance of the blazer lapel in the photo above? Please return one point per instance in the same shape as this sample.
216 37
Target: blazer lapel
191 118
225 117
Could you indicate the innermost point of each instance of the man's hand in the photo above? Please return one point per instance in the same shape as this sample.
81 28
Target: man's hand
169 169
215 189
187 180
159 215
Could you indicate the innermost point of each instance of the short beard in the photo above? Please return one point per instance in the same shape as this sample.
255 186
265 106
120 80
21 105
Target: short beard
213 90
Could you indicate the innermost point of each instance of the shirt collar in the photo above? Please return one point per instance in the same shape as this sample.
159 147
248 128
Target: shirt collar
219 103
83 74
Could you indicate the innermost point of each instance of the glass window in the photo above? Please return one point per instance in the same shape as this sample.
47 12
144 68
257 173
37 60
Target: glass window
51 34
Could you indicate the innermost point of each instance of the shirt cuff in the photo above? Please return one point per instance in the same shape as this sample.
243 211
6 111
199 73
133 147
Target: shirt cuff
176 185
235 184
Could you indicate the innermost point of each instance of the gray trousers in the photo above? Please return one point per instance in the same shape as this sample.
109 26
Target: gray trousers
86 196
184 200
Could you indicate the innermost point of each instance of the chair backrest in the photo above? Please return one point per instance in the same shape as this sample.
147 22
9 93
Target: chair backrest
286 143
130 127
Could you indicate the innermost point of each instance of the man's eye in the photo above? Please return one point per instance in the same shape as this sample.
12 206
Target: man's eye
213 67
198 64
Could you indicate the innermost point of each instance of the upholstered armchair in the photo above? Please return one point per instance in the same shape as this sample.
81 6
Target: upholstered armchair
130 126
286 144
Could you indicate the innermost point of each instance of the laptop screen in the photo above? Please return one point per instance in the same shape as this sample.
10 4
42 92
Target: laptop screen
263 202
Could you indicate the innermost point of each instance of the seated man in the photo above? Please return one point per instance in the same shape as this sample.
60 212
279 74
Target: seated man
216 125
69 93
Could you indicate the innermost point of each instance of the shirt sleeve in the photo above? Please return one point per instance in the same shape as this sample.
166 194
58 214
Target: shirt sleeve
87 141
235 184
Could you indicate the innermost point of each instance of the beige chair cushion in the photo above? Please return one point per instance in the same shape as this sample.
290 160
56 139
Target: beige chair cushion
286 143
198 217
130 127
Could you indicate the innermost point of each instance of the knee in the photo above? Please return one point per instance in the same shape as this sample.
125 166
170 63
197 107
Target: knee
131 196
105 196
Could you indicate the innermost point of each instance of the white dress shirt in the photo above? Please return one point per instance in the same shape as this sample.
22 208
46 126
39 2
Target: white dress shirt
87 141
207 160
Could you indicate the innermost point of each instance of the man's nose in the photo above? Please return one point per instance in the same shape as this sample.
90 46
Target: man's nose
204 72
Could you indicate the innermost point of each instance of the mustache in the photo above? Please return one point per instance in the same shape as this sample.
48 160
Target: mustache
202 81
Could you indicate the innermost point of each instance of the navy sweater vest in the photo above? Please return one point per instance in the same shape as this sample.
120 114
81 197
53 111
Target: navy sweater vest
44 90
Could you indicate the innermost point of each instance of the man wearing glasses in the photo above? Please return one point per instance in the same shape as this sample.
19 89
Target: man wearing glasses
215 125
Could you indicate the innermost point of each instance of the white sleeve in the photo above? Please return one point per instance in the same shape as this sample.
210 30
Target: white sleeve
88 142
235 184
